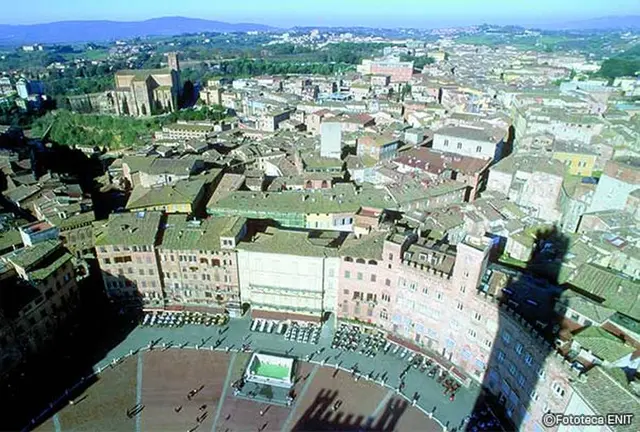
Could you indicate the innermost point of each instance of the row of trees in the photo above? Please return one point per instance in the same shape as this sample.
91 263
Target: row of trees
112 131
418 62
96 130
249 67
625 64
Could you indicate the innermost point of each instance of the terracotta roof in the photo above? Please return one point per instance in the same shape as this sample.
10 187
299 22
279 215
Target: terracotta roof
436 162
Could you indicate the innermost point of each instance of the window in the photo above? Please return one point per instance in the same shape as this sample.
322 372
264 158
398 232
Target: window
477 316
345 291
459 146
140 271
534 395
463 289
348 259
439 296
373 278
107 261
487 343
472 333
506 337
558 389
519 348
528 359
521 380
454 324
390 257
384 315
347 274
387 282
446 143
459 306
331 272
386 297
479 149
373 262
359 275
500 356
512 368
425 290
360 261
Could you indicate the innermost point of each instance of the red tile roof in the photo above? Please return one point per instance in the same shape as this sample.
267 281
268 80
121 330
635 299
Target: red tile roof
436 162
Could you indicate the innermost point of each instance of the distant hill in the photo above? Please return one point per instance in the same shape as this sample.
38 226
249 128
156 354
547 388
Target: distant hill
605 23
87 31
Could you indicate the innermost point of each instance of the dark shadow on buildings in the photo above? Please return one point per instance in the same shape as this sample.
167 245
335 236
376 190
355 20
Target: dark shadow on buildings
97 326
527 329
508 143
324 414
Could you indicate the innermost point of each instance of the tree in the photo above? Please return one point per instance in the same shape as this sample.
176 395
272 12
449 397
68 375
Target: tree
188 94
125 107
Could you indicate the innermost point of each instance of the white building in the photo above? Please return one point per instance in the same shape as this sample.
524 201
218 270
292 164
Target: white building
532 182
477 142
284 272
619 179
331 140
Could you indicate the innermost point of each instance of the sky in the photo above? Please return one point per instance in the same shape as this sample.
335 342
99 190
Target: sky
287 13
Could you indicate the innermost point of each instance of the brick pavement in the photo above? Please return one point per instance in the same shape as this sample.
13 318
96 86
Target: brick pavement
238 330
167 378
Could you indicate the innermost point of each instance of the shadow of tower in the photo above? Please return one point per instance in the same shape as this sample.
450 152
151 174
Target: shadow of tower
523 377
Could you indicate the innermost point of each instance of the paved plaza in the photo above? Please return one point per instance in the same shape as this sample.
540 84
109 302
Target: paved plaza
160 379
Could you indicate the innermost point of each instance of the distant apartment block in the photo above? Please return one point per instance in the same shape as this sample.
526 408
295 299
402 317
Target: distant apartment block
477 142
398 71
379 148
185 131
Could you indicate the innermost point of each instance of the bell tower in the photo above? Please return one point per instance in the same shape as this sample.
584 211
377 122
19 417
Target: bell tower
172 60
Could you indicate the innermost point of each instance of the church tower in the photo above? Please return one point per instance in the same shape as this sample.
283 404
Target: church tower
172 59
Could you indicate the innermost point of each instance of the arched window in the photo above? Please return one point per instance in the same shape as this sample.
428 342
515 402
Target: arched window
360 261
373 262
348 259
325 184
215 262
308 184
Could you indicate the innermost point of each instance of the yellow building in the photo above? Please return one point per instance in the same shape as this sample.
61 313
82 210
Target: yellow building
578 158
184 196
438 56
